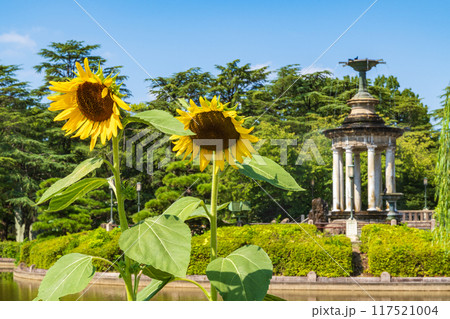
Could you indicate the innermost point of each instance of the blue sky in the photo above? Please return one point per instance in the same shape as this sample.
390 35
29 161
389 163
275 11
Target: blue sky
171 36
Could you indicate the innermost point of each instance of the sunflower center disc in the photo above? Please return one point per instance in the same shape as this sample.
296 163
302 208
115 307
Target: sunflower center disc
215 127
91 103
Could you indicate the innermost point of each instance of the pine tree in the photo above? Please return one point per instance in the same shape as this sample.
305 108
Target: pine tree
234 83
25 156
60 63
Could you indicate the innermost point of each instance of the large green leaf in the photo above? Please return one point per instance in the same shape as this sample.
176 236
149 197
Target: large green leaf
152 289
264 169
200 211
243 275
78 173
69 275
183 103
164 242
270 297
184 207
161 120
153 273
74 192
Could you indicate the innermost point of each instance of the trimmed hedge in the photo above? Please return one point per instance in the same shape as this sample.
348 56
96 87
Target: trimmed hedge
403 251
294 251
9 249
99 242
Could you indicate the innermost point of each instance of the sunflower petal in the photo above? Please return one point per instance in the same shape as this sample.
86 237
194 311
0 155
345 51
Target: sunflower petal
86 67
103 133
204 161
214 103
243 130
116 109
104 92
81 72
87 130
119 124
114 126
121 103
188 150
108 82
64 115
193 105
195 150
93 142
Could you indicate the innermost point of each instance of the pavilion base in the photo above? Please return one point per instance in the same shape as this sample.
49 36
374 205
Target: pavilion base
337 222
368 216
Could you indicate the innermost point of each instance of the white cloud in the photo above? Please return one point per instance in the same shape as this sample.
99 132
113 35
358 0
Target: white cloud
107 55
23 41
261 65
272 74
314 69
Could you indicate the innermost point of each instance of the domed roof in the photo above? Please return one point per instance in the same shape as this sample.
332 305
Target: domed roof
363 123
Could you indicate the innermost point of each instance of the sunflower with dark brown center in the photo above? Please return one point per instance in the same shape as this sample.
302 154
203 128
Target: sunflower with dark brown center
218 130
89 104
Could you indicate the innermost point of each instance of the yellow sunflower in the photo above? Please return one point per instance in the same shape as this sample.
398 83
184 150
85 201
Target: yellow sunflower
217 129
89 103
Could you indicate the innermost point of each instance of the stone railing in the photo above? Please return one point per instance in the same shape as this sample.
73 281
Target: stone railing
422 219
416 215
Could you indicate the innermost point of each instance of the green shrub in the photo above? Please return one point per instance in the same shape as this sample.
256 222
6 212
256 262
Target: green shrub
98 242
45 253
403 251
294 251
9 249
25 249
102 244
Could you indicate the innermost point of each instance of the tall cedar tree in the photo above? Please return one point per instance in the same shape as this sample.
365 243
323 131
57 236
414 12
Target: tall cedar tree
25 158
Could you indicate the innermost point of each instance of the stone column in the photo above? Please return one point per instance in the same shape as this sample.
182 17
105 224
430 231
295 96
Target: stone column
348 184
336 192
341 179
378 181
390 169
371 178
357 180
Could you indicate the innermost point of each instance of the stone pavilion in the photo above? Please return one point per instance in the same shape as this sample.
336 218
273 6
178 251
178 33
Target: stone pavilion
363 131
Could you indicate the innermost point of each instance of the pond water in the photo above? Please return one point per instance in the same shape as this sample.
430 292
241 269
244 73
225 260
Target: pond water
24 290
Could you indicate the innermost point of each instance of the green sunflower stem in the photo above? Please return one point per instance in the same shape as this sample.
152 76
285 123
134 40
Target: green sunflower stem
122 216
214 194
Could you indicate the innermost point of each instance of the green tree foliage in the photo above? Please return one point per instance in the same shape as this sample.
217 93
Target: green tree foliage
25 157
443 174
235 82
190 84
61 59
416 159
180 178
299 107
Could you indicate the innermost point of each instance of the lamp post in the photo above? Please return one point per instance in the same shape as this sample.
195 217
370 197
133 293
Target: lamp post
425 183
111 220
138 189
312 188
351 175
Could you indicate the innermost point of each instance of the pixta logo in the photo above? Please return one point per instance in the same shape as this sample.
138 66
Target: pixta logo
141 150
